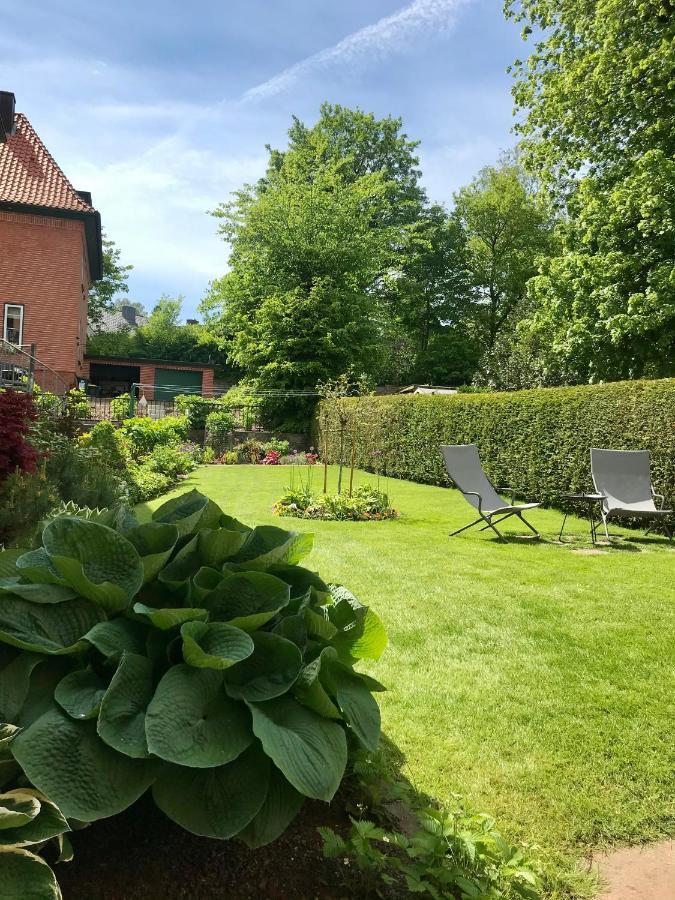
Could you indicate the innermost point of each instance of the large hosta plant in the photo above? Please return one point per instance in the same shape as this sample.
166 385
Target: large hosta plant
190 655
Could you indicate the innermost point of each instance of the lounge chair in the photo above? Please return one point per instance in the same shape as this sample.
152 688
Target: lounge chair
623 479
464 468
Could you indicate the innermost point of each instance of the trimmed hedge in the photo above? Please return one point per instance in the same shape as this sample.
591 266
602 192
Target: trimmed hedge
538 441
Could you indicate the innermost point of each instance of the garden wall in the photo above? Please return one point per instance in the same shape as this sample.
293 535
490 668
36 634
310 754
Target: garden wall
538 441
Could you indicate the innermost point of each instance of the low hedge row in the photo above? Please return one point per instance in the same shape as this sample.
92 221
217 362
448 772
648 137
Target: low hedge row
538 441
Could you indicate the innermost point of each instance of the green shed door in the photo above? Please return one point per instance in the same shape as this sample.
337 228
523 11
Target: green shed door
169 382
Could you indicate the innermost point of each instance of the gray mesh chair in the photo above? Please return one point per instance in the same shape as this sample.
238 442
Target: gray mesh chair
623 479
464 468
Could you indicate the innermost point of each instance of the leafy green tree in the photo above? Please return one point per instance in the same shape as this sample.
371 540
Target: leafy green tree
433 336
508 227
596 97
104 292
596 92
161 337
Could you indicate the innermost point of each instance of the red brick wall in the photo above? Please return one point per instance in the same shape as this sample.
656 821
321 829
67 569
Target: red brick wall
43 266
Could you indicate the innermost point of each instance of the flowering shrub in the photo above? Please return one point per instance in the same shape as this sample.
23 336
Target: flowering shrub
170 461
272 458
365 504
17 413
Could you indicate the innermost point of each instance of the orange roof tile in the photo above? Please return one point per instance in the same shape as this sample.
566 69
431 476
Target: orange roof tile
30 176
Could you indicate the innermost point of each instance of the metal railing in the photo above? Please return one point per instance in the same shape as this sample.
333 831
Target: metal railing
21 370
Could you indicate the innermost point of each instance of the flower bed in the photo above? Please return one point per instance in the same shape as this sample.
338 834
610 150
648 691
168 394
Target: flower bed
364 504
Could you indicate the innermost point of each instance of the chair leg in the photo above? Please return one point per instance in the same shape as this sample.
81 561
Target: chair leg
525 522
464 527
604 522
499 535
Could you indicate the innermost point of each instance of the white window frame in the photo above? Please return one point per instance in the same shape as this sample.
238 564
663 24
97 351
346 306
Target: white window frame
9 306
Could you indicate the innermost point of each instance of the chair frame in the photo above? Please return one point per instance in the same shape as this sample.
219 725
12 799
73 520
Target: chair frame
621 513
487 517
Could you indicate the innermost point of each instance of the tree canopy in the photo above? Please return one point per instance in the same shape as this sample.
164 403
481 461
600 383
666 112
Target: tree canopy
104 292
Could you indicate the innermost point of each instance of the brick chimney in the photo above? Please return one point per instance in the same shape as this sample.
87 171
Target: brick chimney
129 313
7 105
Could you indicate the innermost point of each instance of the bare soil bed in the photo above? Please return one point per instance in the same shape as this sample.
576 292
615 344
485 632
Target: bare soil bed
141 855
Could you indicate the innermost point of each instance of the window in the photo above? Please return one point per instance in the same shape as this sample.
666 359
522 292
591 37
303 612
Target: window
13 325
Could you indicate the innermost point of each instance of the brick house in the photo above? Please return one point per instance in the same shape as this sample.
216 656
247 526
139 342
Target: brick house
50 254
50 249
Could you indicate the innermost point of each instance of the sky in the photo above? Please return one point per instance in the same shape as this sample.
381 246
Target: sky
161 109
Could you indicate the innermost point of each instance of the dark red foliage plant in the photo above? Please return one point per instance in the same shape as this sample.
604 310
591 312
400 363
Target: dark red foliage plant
17 412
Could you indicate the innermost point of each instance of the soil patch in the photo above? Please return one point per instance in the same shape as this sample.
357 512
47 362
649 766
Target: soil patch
638 873
141 855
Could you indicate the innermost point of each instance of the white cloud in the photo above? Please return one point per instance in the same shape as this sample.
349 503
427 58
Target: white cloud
377 40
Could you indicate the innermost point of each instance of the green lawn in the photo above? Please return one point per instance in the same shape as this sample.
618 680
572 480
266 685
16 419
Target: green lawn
534 680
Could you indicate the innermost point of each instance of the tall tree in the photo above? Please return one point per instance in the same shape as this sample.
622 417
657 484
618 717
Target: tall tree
596 103
507 227
312 245
104 292
433 305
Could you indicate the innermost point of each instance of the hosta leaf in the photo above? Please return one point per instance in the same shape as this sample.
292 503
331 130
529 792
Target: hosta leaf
154 542
292 628
185 511
191 722
281 806
309 690
80 694
8 560
268 672
177 574
37 566
358 705
211 516
247 600
37 593
43 681
65 849
301 580
164 619
204 581
16 809
218 802
48 823
68 762
55 628
214 646
121 723
124 520
268 546
96 560
14 684
116 635
217 545
27 876
366 639
318 624
310 751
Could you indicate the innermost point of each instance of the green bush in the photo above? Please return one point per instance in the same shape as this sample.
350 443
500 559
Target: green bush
171 461
146 483
109 441
537 441
281 447
120 407
196 408
24 499
219 426
145 434
83 476
191 655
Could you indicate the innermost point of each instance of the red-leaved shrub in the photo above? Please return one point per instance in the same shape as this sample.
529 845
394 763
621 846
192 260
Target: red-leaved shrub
17 411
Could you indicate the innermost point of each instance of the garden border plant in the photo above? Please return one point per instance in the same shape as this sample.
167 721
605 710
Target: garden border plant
191 655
